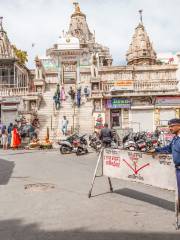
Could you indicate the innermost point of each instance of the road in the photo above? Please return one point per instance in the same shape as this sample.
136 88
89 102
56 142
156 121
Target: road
64 211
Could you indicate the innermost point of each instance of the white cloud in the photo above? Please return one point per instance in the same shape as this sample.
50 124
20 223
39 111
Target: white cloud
41 22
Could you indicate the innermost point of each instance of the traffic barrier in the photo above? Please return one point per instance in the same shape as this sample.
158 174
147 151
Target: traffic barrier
158 171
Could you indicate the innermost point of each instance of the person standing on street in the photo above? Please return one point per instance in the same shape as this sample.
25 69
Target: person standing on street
16 139
64 125
173 148
5 138
106 135
10 128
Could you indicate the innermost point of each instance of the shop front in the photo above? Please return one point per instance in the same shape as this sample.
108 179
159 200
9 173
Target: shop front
142 120
142 114
118 109
167 107
9 109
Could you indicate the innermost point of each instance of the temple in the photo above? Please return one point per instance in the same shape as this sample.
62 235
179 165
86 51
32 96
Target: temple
140 95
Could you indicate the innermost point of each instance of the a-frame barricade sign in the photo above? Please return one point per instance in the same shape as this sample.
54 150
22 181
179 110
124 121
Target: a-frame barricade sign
158 171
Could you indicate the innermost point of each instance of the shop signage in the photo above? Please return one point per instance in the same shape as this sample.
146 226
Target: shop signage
122 85
118 103
167 101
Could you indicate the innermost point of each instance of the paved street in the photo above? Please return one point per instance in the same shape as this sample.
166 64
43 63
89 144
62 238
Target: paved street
133 211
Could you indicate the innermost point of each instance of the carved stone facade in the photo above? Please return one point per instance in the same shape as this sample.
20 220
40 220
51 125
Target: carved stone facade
79 28
141 51
15 83
139 95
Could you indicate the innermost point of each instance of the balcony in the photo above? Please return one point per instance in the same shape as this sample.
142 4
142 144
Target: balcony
147 86
96 94
95 79
5 92
156 86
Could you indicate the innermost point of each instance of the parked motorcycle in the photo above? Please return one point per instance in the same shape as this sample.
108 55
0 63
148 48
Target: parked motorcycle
81 145
74 143
140 141
66 146
94 142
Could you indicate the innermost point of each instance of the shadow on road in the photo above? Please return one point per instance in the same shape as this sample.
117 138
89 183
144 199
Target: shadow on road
16 230
6 169
147 198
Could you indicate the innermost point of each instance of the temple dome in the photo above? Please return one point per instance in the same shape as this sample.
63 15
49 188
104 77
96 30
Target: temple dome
140 51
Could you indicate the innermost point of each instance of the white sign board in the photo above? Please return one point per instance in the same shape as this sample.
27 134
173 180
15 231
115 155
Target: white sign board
140 167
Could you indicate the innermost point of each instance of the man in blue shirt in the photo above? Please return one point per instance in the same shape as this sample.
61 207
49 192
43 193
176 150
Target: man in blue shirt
173 148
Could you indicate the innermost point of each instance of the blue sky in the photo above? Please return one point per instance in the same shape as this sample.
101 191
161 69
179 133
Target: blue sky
42 21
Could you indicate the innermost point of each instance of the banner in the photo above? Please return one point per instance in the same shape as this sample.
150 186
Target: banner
123 85
140 167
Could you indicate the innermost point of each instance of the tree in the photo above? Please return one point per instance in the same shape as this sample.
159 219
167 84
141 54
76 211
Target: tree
21 55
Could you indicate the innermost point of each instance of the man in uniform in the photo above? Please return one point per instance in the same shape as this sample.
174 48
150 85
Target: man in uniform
173 148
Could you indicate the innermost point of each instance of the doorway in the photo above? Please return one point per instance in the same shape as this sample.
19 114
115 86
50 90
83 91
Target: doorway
116 118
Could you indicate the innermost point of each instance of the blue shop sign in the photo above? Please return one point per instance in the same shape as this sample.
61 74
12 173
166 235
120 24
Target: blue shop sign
118 103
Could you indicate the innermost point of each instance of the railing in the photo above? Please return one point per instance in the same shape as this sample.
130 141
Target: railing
4 92
168 85
140 86
107 86
96 94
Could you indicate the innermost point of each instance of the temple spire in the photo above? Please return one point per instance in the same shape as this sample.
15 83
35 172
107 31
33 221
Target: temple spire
141 17
1 20
77 7
140 50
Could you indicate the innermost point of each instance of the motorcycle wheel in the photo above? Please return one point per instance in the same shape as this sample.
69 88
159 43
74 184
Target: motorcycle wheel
98 147
64 150
79 151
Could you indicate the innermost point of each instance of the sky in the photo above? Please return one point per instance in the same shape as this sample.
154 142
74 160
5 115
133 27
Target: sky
41 22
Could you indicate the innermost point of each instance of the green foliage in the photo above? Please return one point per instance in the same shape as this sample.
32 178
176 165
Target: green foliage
21 55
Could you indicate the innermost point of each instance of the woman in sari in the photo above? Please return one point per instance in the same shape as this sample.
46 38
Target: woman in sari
63 94
16 139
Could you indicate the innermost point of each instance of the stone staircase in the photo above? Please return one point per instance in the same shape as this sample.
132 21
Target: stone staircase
79 118
47 113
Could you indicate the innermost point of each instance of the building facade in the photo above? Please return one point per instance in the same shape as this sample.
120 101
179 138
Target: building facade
140 95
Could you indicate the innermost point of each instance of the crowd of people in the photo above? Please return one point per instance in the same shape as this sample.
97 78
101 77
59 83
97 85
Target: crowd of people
9 136
60 95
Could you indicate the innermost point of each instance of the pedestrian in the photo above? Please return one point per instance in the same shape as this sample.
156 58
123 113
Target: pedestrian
16 139
4 138
64 125
71 93
10 128
86 92
173 148
106 135
63 95
79 97
56 98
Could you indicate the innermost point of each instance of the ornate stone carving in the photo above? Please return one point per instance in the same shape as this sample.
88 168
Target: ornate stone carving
94 64
141 50
39 71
